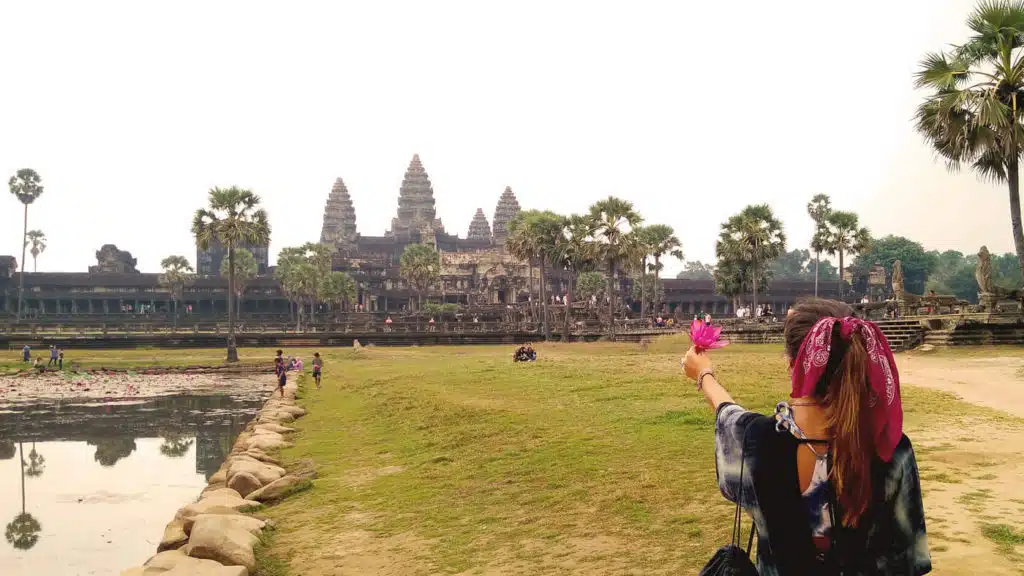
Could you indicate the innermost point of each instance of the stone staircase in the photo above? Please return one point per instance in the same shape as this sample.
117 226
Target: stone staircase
902 334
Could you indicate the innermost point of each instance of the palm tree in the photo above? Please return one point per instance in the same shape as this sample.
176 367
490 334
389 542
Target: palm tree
575 251
177 274
818 209
302 272
37 240
290 275
974 115
534 237
175 445
23 531
642 247
420 265
663 240
844 236
339 289
233 217
26 185
754 237
614 219
246 268
37 463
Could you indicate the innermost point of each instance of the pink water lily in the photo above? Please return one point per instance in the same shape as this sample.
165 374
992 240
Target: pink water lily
706 336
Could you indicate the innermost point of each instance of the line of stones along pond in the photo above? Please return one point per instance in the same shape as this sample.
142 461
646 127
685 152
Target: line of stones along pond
94 482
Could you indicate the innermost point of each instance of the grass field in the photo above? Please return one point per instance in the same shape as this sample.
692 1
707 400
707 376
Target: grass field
597 459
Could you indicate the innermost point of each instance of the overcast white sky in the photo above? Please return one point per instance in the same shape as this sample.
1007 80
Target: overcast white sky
131 111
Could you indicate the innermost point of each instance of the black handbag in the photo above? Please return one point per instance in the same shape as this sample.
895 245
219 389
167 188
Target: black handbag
732 560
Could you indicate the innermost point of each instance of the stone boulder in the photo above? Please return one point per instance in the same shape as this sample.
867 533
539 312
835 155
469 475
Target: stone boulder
174 536
251 525
189 521
175 563
275 415
209 503
260 455
220 538
264 473
304 468
272 427
221 475
278 489
225 492
267 442
245 483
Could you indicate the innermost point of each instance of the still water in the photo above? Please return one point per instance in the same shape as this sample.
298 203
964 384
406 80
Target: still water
87 488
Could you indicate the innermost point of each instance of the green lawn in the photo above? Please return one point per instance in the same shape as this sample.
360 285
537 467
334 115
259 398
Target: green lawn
596 459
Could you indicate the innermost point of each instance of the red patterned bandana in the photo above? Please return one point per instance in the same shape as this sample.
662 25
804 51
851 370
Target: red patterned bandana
886 409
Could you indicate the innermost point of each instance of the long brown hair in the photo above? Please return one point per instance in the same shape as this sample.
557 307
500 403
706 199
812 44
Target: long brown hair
843 392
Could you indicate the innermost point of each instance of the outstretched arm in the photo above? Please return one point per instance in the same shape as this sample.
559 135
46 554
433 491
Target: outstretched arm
694 364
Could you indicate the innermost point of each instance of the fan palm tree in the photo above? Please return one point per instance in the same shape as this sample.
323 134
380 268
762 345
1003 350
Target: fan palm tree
339 289
177 274
37 242
233 217
753 237
420 265
535 236
974 113
23 531
575 251
663 241
36 463
614 218
642 248
818 209
844 236
26 185
246 268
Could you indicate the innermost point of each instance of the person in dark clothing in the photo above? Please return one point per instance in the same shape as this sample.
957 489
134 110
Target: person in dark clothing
60 359
26 353
831 481
281 371
524 353
318 364
53 356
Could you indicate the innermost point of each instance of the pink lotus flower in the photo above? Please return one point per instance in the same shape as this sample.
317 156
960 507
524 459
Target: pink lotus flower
706 336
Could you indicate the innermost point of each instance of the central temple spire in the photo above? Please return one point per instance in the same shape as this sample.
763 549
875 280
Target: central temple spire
339 228
415 203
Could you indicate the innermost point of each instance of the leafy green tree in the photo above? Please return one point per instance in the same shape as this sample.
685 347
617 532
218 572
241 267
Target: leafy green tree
534 235
420 265
614 218
246 268
751 239
36 463
647 287
845 236
177 273
642 244
664 242
339 289
827 271
26 185
1006 272
917 264
590 285
696 270
303 273
576 253
7 449
37 242
111 449
232 217
972 115
792 265
819 209
734 277
954 274
175 445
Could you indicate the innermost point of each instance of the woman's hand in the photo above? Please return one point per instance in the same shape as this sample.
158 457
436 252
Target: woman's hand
694 363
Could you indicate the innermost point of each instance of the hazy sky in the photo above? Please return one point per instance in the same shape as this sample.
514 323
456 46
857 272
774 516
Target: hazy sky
131 111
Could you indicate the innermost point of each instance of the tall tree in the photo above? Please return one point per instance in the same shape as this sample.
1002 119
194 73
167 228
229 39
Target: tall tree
339 289
818 209
917 264
533 235
23 531
576 253
973 115
37 245
642 243
177 273
590 285
27 186
753 237
696 270
664 242
845 236
246 268
420 265
303 272
614 218
792 265
233 217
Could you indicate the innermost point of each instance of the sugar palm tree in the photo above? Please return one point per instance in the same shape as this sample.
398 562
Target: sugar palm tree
753 237
36 463
844 236
818 209
37 243
974 114
614 218
420 265
663 241
339 289
293 271
643 247
534 236
246 268
23 531
26 185
177 273
233 217
575 252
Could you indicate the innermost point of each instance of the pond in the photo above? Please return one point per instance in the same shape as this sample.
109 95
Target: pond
100 480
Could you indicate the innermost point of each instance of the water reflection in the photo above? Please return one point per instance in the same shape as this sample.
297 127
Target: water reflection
98 480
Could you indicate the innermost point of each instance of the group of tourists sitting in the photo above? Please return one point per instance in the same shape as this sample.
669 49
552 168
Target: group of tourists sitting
525 353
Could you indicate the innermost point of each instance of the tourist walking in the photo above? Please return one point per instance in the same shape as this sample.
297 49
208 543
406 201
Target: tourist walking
280 371
830 480
318 365
60 359
26 353
53 356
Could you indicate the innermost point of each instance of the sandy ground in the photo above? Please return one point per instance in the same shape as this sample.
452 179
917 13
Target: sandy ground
972 473
120 386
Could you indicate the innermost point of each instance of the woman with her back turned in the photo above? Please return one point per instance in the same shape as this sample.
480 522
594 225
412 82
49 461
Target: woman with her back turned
830 481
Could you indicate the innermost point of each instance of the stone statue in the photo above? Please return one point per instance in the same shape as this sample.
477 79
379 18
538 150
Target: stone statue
897 278
109 259
983 272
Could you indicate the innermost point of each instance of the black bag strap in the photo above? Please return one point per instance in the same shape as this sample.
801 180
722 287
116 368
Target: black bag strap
737 523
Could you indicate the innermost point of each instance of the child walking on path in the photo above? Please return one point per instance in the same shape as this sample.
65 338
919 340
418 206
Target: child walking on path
318 364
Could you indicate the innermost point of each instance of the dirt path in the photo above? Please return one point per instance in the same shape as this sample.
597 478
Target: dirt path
972 472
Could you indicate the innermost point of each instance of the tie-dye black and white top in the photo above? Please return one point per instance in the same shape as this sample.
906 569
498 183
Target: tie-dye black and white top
890 539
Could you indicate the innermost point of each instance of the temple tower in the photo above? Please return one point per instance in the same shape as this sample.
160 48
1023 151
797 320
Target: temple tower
507 209
479 229
339 229
415 203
